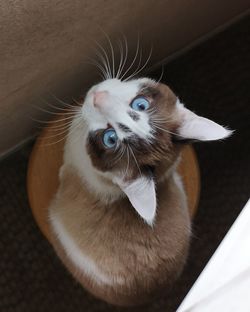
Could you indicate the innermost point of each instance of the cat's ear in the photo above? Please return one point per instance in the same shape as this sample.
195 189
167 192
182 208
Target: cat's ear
194 127
141 194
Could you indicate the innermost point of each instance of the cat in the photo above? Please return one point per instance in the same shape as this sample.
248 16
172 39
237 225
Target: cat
119 220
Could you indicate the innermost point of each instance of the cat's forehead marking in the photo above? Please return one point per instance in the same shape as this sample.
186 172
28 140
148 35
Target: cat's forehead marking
124 128
135 116
115 108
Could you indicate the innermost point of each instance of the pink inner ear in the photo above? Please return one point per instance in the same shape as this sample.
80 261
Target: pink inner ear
199 128
141 194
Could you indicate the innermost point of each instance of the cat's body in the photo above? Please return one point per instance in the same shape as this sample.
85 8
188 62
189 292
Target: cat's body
120 217
116 255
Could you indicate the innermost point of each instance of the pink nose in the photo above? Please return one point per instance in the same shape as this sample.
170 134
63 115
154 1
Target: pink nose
100 97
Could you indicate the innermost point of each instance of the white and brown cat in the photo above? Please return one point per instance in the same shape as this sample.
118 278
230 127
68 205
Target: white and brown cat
119 220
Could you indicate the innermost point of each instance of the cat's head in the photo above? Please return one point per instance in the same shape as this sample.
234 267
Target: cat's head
135 130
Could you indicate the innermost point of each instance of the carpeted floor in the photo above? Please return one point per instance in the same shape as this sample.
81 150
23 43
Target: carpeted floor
212 79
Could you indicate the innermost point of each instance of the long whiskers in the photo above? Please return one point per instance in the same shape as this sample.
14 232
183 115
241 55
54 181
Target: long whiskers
128 160
105 63
126 55
155 125
59 127
65 104
49 122
63 109
119 156
66 113
112 52
107 60
120 67
162 73
65 133
141 68
133 155
102 71
134 59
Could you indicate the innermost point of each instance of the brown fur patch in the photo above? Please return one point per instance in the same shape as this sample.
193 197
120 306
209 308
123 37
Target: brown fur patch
119 241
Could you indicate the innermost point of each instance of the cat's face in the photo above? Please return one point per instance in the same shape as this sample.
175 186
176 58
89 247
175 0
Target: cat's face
133 127
130 121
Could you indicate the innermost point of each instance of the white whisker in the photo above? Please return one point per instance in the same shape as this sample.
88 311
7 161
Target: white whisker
121 59
103 60
54 113
137 67
162 73
52 121
128 160
167 131
65 134
102 72
55 128
63 109
153 113
119 155
59 127
134 59
57 134
61 101
131 150
109 75
77 123
112 54
126 54
103 66
139 70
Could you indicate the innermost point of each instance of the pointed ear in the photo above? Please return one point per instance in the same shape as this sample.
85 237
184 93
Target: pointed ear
197 127
142 196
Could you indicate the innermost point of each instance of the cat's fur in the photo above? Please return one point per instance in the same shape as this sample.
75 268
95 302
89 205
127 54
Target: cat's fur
124 260
122 227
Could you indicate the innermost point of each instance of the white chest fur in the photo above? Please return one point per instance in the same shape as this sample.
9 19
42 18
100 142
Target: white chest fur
75 155
81 260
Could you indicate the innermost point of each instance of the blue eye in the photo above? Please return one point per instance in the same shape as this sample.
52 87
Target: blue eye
109 138
140 104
